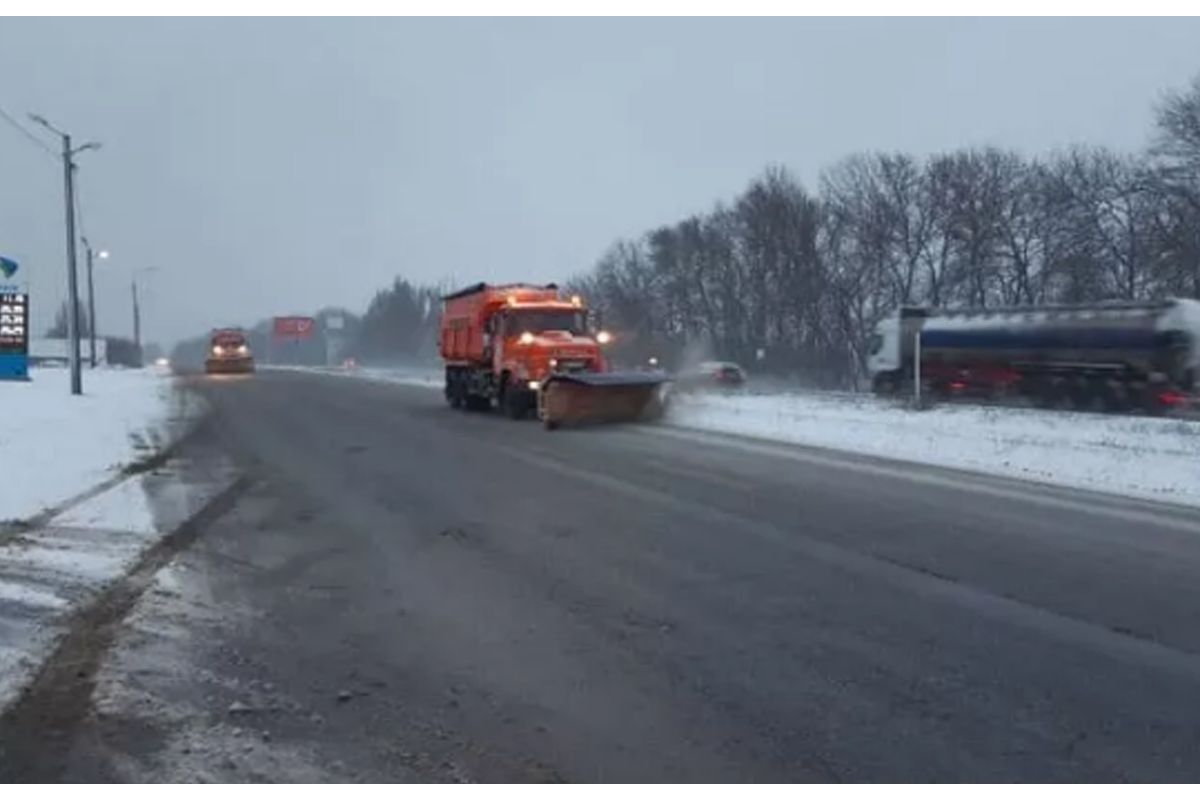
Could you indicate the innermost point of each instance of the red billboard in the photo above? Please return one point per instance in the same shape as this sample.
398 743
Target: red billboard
294 327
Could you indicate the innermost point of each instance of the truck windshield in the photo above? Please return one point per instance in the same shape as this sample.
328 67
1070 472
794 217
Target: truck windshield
537 321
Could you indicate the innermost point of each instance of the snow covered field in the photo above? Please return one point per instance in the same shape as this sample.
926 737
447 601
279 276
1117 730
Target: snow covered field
1135 456
54 445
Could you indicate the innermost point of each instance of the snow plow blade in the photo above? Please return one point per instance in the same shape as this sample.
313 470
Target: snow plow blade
586 398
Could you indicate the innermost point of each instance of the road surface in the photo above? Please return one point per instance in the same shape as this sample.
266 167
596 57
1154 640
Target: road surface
399 591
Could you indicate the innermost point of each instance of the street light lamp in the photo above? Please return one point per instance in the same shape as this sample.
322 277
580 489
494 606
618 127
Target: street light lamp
68 154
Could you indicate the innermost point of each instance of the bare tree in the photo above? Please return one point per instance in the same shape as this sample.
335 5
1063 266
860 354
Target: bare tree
1176 170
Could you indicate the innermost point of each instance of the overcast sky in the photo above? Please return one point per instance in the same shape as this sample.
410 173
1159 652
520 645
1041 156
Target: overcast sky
276 167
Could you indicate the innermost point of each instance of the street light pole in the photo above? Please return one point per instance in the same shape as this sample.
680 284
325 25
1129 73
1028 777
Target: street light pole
87 249
72 279
91 254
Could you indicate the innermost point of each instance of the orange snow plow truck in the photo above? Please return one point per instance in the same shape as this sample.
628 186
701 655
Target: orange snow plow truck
526 349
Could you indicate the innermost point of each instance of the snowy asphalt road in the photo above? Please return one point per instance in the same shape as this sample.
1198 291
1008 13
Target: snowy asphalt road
408 592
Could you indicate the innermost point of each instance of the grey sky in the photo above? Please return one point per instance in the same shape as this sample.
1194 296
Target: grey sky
278 166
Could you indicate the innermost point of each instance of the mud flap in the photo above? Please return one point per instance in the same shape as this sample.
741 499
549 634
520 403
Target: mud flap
586 398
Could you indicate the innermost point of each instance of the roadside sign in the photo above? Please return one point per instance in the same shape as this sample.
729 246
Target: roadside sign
335 322
14 322
294 327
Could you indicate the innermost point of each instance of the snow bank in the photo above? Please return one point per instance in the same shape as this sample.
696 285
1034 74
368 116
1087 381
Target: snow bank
1135 456
427 377
408 376
55 445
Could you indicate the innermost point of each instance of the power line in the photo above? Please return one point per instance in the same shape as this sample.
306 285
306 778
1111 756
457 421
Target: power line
11 120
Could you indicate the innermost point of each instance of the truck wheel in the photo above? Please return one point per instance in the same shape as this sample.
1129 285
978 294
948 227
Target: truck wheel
453 390
511 402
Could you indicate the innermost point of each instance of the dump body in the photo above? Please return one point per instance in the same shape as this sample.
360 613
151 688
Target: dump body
1111 354
500 344
228 351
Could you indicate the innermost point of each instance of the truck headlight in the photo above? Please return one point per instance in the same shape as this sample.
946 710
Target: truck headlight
534 386
242 349
526 338
553 363
603 337
218 350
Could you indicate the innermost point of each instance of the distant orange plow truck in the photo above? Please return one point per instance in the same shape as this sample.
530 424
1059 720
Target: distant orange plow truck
525 349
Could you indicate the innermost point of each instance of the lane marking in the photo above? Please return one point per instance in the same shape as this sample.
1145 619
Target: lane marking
1125 647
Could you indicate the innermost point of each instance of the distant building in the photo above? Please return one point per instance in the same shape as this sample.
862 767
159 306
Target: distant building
45 351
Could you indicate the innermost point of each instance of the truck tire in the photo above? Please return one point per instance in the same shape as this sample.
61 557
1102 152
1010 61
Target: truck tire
453 389
513 402
884 384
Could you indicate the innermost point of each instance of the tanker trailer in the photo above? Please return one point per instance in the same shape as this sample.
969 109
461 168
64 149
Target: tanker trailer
1111 355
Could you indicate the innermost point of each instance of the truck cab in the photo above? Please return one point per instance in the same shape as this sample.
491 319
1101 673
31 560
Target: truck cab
228 351
884 354
532 340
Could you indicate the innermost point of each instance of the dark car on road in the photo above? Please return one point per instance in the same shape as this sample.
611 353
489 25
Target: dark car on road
712 375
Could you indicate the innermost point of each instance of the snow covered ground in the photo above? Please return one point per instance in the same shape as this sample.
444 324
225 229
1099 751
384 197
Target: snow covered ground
70 448
1135 456
55 445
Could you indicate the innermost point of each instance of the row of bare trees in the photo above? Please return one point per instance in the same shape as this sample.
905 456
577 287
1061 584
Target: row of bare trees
796 281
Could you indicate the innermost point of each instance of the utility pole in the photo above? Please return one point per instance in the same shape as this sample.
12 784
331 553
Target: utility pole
917 371
137 319
72 279
137 308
